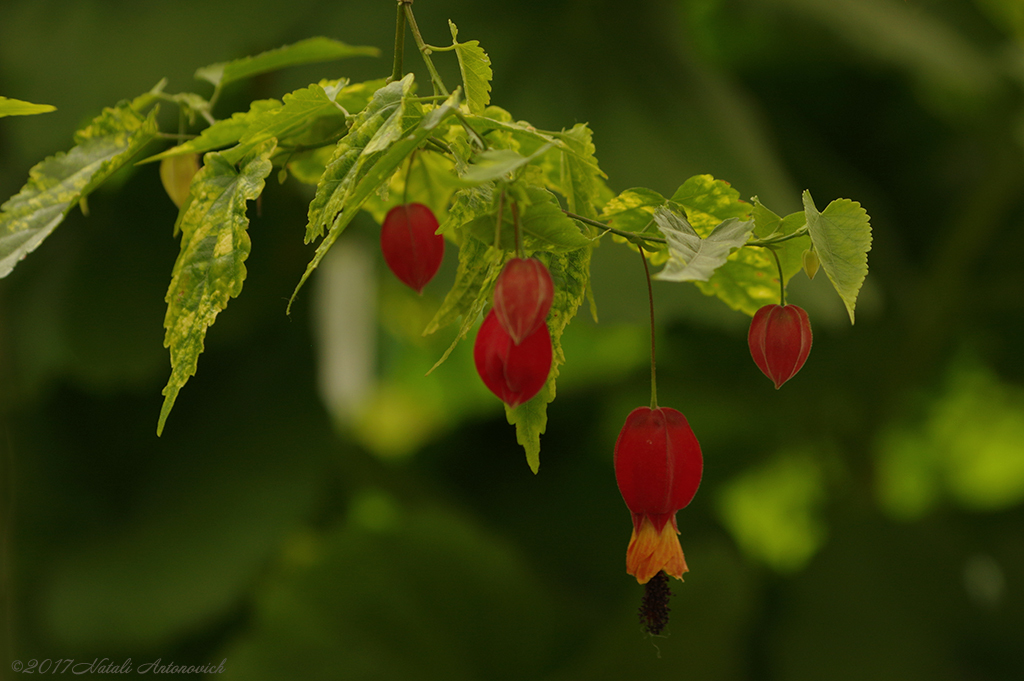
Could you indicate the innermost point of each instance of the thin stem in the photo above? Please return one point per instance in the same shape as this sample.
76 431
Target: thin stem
213 99
515 229
174 136
782 285
397 70
501 216
435 77
613 230
650 297
408 174
779 239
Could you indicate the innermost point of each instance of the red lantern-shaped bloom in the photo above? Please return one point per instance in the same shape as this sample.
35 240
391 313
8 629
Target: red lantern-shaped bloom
780 340
514 373
412 248
658 466
522 297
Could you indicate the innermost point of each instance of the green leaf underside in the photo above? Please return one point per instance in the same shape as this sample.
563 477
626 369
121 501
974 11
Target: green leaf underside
524 131
842 238
475 66
691 257
308 51
369 176
58 183
496 164
542 225
383 111
571 274
210 268
17 107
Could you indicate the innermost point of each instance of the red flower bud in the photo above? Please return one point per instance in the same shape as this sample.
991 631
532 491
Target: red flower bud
411 248
780 340
514 373
658 466
522 297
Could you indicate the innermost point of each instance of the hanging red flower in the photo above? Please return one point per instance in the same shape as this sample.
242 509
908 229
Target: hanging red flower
780 341
658 466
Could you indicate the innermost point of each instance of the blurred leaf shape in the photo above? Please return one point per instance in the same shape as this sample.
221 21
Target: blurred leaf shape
397 592
17 107
970 447
773 511
308 51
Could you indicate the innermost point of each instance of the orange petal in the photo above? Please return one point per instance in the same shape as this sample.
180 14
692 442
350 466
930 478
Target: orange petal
651 551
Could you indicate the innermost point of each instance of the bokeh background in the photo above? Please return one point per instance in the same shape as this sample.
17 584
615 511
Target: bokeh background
318 509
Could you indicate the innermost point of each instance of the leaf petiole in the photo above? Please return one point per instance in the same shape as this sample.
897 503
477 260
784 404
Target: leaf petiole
632 236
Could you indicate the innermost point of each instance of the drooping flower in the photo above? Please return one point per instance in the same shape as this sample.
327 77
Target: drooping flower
411 247
522 297
780 341
658 467
514 373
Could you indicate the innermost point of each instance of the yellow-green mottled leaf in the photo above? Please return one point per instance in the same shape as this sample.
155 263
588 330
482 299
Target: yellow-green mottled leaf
210 268
580 181
571 275
708 202
475 66
308 51
370 175
749 279
384 110
58 183
479 267
542 225
301 110
842 238
17 107
477 261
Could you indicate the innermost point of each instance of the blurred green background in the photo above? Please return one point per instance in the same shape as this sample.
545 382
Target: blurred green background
317 509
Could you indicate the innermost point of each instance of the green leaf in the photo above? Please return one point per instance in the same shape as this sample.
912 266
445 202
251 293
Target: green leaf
476 262
301 109
58 183
842 238
749 279
580 181
308 51
222 133
210 268
475 66
542 225
746 282
384 109
17 107
370 176
633 209
571 274
496 164
691 257
708 202
479 267
468 204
